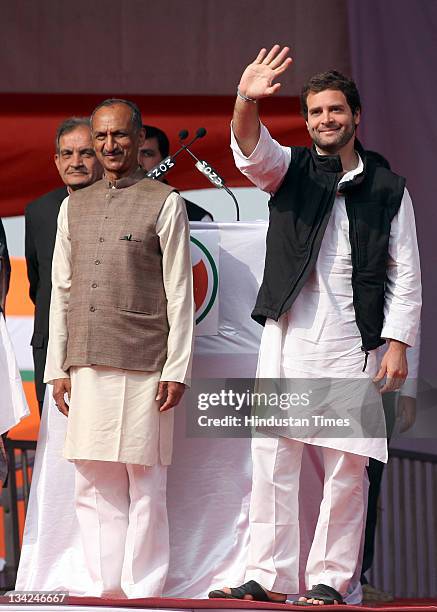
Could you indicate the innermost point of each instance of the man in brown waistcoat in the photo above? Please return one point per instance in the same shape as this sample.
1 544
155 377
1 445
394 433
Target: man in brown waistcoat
121 329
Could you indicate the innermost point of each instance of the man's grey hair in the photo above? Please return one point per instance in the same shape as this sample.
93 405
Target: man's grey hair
137 122
69 125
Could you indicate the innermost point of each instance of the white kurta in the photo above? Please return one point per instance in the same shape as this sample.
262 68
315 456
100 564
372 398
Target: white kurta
319 337
113 413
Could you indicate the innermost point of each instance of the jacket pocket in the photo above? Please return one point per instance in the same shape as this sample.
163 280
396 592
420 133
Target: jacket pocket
139 305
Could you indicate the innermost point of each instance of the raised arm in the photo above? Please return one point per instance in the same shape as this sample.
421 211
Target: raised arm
257 82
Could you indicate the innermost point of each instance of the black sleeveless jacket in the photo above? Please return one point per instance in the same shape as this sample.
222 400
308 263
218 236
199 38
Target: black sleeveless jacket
299 214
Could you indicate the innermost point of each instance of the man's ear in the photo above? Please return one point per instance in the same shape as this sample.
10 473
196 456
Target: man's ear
357 117
141 137
56 158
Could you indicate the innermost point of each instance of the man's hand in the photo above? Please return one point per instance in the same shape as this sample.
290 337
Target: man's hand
257 80
62 386
406 412
169 393
394 366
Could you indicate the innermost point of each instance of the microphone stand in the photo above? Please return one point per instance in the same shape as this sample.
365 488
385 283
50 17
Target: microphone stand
213 177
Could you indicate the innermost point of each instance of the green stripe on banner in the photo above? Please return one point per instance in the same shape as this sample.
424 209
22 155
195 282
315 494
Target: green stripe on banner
27 375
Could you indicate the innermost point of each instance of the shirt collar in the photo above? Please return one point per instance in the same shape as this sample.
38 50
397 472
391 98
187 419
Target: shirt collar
126 181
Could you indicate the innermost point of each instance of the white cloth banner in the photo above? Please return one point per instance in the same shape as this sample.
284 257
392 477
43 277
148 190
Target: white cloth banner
209 481
13 404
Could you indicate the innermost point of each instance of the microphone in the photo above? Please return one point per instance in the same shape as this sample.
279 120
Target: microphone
163 167
168 162
200 132
207 170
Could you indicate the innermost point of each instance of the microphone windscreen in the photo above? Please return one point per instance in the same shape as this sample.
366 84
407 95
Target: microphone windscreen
183 134
201 132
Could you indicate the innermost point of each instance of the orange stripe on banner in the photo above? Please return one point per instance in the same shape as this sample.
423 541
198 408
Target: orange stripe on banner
18 302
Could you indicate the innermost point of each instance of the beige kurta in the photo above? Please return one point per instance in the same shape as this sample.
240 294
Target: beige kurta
113 413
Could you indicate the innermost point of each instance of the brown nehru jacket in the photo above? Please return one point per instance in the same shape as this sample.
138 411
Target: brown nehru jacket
117 312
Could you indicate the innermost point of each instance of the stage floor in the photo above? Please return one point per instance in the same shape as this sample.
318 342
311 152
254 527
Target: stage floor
89 604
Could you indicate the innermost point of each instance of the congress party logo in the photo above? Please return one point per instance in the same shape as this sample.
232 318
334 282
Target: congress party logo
205 278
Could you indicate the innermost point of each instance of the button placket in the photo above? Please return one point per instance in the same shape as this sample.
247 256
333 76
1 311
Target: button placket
99 255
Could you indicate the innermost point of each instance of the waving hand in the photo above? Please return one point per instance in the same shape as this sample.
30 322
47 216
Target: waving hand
257 79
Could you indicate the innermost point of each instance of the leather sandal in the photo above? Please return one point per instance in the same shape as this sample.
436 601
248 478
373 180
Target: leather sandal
248 588
323 593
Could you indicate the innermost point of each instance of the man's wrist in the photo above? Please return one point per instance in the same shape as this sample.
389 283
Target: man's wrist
243 96
397 344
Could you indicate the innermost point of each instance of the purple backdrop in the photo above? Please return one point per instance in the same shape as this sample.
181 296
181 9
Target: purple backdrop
393 52
180 47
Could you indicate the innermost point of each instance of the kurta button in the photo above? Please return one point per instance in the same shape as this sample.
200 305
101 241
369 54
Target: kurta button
94 285
101 240
92 308
97 262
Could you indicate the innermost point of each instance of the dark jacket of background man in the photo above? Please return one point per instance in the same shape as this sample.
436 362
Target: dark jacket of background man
156 147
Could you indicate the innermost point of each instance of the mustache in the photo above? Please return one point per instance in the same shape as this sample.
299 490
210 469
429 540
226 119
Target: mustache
330 128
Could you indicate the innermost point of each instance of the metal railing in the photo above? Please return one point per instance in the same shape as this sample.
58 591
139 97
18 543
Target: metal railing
405 561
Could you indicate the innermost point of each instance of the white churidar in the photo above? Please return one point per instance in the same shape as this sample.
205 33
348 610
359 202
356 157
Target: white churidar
273 558
122 514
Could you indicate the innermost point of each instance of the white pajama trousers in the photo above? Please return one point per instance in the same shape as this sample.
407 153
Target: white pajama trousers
274 517
122 514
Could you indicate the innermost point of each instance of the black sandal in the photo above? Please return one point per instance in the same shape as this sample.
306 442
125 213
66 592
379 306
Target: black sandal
248 588
322 592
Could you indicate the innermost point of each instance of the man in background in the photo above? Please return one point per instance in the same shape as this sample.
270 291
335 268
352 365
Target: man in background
78 167
156 147
400 413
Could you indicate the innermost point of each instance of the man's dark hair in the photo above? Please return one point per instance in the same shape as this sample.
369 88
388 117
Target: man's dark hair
332 79
161 137
69 125
137 122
